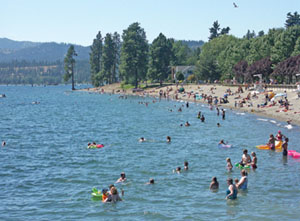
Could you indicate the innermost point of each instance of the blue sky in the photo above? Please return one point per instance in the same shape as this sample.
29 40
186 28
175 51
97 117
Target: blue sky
78 21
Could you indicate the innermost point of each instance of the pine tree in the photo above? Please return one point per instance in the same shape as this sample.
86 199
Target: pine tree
69 63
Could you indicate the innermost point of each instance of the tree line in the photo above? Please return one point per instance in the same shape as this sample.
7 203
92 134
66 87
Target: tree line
133 59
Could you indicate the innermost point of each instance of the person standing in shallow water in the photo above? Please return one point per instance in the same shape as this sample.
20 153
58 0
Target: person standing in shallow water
214 185
223 114
285 147
232 190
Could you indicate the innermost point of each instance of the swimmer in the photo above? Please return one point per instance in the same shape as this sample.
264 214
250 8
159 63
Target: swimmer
254 161
186 165
232 190
178 170
122 178
214 185
181 125
168 139
113 196
187 124
151 181
105 194
243 183
142 139
3 143
285 146
222 142
246 159
180 110
218 125
202 118
229 164
271 142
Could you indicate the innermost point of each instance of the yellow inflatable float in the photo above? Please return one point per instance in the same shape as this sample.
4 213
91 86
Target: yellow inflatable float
278 146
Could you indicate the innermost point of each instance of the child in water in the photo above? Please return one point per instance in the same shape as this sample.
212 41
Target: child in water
271 142
254 160
168 139
229 164
214 185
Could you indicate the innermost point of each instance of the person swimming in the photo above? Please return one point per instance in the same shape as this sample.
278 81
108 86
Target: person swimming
218 125
222 142
186 165
168 139
113 196
3 143
151 181
214 185
187 124
142 139
229 164
232 190
122 178
202 118
178 170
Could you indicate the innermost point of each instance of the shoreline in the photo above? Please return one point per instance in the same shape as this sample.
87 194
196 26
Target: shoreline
251 106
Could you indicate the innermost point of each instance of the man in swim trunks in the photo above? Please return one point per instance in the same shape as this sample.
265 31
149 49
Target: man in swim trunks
246 159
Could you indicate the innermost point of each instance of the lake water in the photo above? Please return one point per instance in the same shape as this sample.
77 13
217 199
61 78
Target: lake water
46 172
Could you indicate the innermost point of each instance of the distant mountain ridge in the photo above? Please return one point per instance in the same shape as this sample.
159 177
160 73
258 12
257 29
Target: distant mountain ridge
35 51
51 51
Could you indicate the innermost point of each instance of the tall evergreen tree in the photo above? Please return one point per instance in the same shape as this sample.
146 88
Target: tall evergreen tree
69 63
108 58
96 59
134 54
214 30
116 57
160 57
292 19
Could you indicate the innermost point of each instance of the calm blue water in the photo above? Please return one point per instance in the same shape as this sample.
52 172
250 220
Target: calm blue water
47 173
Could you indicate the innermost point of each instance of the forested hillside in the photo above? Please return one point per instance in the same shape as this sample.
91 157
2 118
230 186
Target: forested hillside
24 62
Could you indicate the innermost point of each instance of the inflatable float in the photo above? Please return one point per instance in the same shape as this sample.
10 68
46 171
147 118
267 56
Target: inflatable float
278 146
95 146
293 154
238 165
224 146
96 194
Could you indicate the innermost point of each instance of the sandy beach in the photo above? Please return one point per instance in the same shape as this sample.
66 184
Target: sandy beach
248 101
